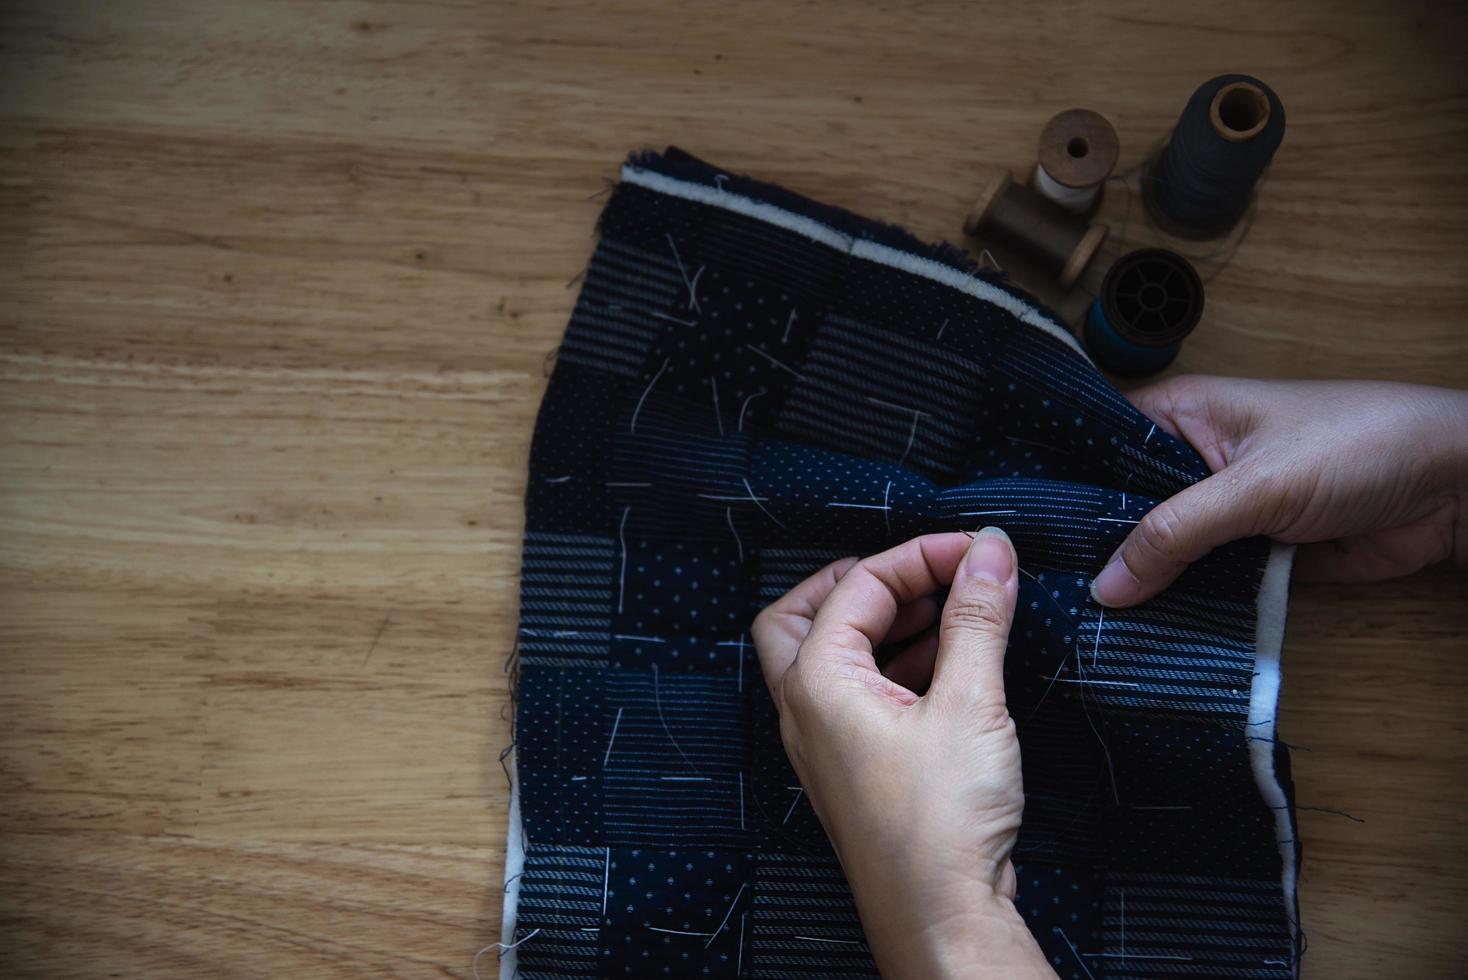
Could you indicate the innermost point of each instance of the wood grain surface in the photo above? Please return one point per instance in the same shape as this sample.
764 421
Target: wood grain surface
278 280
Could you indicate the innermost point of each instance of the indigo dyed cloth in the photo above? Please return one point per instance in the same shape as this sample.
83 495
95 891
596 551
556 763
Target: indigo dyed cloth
753 385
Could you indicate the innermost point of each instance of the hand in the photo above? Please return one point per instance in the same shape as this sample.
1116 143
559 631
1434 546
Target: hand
920 794
1378 470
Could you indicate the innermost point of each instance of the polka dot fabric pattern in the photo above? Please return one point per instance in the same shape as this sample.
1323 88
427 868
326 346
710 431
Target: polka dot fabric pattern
751 386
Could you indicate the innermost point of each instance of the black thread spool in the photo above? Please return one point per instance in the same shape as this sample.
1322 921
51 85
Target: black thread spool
1150 300
1025 221
1200 184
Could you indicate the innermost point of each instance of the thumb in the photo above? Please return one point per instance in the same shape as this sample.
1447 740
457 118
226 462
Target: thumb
975 625
1176 533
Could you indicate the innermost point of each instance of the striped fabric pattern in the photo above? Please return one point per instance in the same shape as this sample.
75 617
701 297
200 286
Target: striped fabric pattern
751 386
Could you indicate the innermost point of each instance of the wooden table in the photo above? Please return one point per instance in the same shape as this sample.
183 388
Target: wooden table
277 284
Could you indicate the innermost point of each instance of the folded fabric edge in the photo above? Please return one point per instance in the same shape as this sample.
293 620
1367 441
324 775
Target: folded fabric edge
1271 605
514 871
909 259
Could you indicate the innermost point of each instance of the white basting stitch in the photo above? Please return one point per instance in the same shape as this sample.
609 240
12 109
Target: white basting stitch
606 758
606 877
680 932
1096 650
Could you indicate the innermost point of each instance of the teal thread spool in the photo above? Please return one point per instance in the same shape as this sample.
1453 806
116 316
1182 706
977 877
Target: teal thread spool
1149 301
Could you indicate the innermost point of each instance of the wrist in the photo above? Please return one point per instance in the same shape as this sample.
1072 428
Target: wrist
1447 422
925 923
1452 427
988 939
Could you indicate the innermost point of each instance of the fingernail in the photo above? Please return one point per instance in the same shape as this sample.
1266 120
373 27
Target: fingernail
990 557
1116 585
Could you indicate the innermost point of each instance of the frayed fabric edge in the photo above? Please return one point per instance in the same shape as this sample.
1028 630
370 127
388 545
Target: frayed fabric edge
905 259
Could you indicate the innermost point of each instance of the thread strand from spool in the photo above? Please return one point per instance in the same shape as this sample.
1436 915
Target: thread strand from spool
1020 218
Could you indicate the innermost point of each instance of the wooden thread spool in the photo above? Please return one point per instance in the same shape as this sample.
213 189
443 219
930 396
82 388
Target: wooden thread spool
1239 112
1018 217
1077 152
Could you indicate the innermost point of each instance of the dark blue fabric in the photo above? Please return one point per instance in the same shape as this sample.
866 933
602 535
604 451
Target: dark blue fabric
737 403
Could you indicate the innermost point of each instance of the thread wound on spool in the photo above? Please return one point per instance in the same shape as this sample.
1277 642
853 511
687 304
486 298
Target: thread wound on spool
1202 181
1077 151
1026 222
1150 300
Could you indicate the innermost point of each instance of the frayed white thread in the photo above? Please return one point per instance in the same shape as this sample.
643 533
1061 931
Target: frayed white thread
745 407
693 289
732 906
657 700
760 505
683 271
645 392
718 416
1076 953
622 577
503 948
729 519
777 363
799 792
741 799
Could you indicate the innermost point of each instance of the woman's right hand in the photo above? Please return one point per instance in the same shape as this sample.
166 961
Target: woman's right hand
1371 476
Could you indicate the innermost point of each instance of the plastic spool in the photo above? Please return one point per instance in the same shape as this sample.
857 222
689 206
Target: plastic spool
1150 300
1201 182
1022 219
1077 152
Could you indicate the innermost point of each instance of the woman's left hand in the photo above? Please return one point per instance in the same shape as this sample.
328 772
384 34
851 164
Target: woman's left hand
919 792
